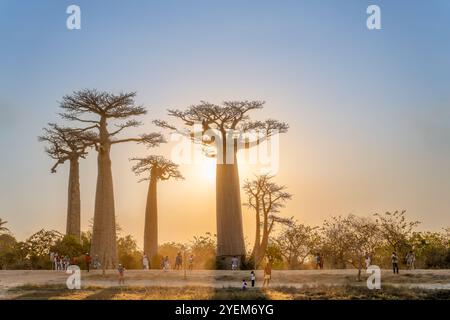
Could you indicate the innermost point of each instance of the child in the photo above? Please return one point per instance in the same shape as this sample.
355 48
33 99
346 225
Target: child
244 285
121 270
252 278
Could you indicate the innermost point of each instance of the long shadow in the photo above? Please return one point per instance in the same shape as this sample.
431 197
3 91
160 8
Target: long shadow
235 293
45 293
104 294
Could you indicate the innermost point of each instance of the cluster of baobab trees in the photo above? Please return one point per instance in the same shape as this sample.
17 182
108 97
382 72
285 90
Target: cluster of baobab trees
98 121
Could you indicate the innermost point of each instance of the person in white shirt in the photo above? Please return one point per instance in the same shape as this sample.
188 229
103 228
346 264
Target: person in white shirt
145 262
234 263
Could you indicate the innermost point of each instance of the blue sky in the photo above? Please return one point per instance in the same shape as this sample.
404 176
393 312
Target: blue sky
369 110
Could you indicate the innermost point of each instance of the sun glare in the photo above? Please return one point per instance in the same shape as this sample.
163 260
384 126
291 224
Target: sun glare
207 169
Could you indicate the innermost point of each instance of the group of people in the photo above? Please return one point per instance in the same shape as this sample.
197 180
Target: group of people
319 261
410 260
165 262
165 265
60 262
267 277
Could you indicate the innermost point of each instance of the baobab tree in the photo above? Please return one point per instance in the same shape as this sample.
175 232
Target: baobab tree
224 130
67 144
156 168
97 108
265 198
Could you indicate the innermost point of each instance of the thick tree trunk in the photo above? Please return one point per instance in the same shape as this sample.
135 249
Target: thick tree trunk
255 251
230 236
104 245
73 201
151 222
262 247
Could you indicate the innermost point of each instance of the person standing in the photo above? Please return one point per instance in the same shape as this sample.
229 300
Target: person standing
166 263
145 262
244 285
178 261
87 260
410 258
267 274
55 261
234 263
318 259
252 278
368 261
52 258
394 260
191 262
121 271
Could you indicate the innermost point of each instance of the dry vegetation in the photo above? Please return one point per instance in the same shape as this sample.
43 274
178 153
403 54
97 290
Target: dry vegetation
286 285
52 292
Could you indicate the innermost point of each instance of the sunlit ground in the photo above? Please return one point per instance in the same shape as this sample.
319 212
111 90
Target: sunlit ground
206 284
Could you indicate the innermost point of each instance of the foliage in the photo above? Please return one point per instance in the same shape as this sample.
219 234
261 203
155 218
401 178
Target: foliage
129 255
3 229
296 243
396 230
274 254
204 250
352 238
68 246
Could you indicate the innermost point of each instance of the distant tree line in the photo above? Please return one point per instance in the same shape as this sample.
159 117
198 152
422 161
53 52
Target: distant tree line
341 241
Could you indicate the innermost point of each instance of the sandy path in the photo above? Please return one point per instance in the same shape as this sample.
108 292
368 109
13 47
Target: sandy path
425 279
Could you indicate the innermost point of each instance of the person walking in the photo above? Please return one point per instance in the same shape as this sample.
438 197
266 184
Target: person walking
252 278
394 260
267 275
145 262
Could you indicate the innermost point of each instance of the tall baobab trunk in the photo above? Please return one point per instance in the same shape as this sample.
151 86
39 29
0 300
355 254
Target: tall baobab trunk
73 202
104 245
151 221
256 247
230 235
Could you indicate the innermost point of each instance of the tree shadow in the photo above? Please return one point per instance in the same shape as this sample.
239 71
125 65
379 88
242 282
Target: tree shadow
104 294
236 293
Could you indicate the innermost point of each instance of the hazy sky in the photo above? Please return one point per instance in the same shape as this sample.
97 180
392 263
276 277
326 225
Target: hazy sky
369 111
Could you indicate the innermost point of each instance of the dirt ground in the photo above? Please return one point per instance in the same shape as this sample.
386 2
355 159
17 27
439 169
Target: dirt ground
156 284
